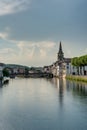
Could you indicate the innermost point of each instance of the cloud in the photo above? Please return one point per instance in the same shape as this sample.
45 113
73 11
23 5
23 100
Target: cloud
12 6
7 55
44 44
3 35
6 51
35 49
43 53
30 53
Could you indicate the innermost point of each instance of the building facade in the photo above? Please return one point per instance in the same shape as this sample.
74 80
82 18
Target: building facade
62 66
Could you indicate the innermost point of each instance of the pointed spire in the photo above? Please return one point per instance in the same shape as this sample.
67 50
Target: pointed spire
60 47
60 53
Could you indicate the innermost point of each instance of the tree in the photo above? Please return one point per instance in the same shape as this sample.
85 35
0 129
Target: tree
80 62
5 72
26 71
75 62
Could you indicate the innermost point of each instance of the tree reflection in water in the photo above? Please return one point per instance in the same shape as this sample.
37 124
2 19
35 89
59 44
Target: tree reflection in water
3 84
77 88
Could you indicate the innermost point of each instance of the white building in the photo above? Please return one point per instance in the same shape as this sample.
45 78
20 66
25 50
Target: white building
62 66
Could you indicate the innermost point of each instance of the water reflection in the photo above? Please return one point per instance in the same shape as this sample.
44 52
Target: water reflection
42 104
61 91
5 84
77 88
63 85
1 84
60 85
67 88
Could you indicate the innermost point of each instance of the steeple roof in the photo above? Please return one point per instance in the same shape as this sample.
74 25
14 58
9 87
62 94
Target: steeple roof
60 47
60 53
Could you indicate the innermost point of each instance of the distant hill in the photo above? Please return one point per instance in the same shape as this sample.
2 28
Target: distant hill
16 65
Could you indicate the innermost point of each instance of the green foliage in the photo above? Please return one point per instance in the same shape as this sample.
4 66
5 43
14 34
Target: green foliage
77 78
79 61
5 72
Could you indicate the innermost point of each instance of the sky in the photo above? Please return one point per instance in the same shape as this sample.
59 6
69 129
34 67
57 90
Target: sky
31 30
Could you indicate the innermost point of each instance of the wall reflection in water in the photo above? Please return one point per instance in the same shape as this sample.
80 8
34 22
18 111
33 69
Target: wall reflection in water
60 85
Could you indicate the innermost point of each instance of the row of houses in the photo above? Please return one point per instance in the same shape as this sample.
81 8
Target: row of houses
15 69
12 69
60 68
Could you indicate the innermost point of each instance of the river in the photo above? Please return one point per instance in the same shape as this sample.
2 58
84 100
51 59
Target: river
43 104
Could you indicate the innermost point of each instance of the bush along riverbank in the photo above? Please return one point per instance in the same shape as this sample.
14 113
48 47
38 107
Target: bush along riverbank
77 78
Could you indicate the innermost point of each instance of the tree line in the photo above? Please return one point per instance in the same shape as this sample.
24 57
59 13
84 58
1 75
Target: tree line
79 63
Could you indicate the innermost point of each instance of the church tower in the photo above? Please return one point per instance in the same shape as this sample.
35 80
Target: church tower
60 53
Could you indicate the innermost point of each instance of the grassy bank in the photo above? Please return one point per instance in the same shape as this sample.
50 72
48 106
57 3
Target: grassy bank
77 78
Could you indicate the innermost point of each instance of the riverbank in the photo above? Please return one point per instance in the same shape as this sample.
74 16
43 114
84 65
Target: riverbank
36 75
77 78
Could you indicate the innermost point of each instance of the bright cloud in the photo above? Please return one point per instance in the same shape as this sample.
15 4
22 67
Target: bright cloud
43 44
35 49
12 6
6 51
43 53
3 35
28 53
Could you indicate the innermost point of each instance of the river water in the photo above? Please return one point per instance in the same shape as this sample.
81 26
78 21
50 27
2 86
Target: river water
43 104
